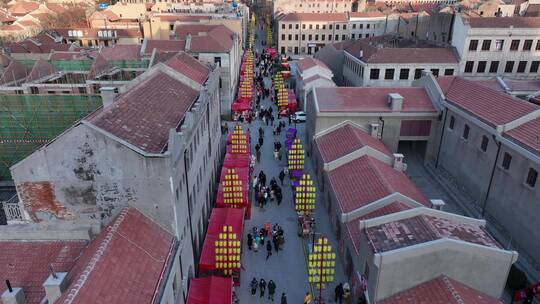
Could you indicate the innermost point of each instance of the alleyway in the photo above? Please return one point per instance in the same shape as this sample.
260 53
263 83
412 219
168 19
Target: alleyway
288 268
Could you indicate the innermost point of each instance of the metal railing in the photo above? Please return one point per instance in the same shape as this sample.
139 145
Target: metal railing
12 209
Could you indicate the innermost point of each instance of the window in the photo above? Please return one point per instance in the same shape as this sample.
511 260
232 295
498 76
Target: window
466 132
538 45
473 45
330 37
484 144
282 50
514 45
316 26
290 37
344 26
303 26
527 45
521 66
343 37
303 37
217 61
486 45
290 26
361 25
389 74
310 37
507 159
374 74
509 67
296 37
352 36
336 38
452 122
317 37
469 65
499 44
494 67
404 74
296 26
283 26
296 50
531 177
323 36
534 66
354 26
324 26
330 26
34 90
448 72
367 26
418 73
481 68
435 72
311 26
337 26
282 36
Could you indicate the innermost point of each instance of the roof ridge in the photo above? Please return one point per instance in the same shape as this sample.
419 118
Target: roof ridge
379 173
452 290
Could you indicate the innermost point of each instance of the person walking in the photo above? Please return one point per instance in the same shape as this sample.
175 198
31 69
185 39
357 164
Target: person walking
268 250
261 141
254 284
271 290
279 196
249 241
262 287
307 298
338 293
283 299
276 242
281 176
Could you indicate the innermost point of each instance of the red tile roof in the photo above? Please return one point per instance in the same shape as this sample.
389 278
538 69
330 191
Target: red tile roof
23 7
176 17
315 77
122 52
67 56
189 66
526 135
354 228
365 99
315 17
26 263
344 140
366 14
125 263
129 119
206 37
308 62
424 228
40 69
56 8
164 46
5 16
441 290
492 84
492 107
11 27
93 32
99 66
503 22
366 179
522 85
14 72
533 10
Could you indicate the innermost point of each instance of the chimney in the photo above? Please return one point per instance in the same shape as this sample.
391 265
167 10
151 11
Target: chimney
361 53
374 130
55 284
395 101
188 43
437 204
398 162
108 94
13 295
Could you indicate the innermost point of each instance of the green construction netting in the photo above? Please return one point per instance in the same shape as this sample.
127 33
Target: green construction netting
85 65
29 121
127 64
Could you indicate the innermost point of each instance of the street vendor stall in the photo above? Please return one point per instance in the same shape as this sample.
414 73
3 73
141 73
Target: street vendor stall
210 290
233 190
211 262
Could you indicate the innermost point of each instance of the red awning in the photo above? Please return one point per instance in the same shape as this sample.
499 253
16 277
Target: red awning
241 106
210 290
219 218
236 160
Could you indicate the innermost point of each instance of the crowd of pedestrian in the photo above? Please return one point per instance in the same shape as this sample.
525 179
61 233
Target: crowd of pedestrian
261 285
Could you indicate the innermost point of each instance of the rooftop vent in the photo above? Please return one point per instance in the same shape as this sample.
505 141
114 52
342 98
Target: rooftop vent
13 295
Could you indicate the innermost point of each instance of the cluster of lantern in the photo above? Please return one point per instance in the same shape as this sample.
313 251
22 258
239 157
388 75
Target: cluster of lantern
321 264
233 194
305 195
296 156
227 248
246 84
239 141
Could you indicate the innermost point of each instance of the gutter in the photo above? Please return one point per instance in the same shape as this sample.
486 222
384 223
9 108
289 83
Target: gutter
166 270
441 138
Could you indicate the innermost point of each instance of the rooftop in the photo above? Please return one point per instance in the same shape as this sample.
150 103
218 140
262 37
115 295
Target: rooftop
40 69
492 107
164 46
26 263
366 99
366 179
315 17
424 228
366 14
503 22
189 66
441 290
125 263
122 52
14 72
344 140
526 135
308 63
206 37
128 117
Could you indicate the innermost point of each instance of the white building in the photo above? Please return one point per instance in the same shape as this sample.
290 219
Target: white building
491 46
312 6
309 74
368 24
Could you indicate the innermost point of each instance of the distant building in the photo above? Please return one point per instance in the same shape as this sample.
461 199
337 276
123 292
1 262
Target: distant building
313 6
309 74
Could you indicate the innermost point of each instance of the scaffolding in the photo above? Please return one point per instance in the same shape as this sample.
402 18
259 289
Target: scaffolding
29 121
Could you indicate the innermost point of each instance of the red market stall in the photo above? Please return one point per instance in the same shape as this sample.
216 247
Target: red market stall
236 160
233 190
210 290
220 217
293 104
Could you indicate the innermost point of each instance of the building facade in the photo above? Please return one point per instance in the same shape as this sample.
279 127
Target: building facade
313 6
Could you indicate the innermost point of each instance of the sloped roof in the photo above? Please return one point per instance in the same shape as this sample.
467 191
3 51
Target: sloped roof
212 38
366 179
189 66
503 22
492 107
526 135
122 52
128 117
164 46
40 69
23 7
26 264
125 263
441 290
308 62
99 65
321 17
344 140
14 72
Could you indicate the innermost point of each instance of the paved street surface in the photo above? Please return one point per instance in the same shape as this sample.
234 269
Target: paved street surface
288 268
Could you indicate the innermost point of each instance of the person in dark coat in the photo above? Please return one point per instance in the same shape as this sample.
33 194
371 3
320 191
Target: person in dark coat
268 250
281 176
279 196
249 241
271 290
262 287
276 242
254 284
283 298
338 293
261 141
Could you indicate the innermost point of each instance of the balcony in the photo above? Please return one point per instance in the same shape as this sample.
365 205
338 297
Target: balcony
11 211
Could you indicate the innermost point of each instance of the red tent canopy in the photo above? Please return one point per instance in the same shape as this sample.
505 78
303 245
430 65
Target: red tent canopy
219 218
241 106
243 175
236 160
210 290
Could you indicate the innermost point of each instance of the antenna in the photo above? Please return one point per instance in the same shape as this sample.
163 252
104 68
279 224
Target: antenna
8 284
53 272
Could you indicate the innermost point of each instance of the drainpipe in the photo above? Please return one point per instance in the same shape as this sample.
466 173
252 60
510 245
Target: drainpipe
189 207
498 143
441 139
382 126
